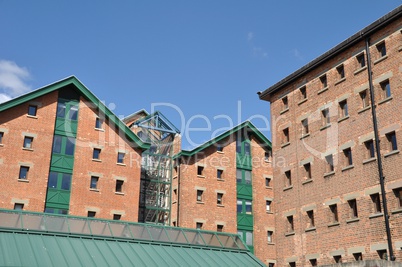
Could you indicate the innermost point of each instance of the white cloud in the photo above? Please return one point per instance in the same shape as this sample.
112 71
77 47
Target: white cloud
296 53
257 51
13 80
250 36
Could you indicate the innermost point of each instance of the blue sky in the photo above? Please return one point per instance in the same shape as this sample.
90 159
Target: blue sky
200 62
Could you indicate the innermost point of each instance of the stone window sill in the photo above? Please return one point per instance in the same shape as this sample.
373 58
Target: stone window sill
284 111
268 187
285 144
23 180
200 176
369 160
269 212
329 174
396 211
325 126
385 100
360 70
200 202
220 152
220 180
305 136
302 101
94 189
343 118
119 193
97 160
333 224
352 220
340 81
27 149
348 167
1 145
32 117
288 188
380 59
322 90
174 201
99 129
290 233
310 229
394 152
220 205
363 109
400 49
120 164
375 215
270 243
307 181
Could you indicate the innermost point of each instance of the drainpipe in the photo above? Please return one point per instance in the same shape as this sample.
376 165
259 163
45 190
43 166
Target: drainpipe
377 145
178 191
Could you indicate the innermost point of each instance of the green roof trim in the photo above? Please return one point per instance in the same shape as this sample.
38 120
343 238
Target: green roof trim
86 93
261 137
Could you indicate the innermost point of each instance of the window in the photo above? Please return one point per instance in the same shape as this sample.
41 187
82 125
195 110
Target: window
271 264
268 205
313 262
199 195
323 80
288 176
119 186
334 213
91 214
67 110
73 114
382 51
18 206
285 103
398 195
243 176
246 236
361 60
249 206
219 228
348 156
200 170
28 142
32 110
219 198
292 264
98 123
364 97
96 153
303 92
219 148
375 198
330 163
267 182
391 138
325 117
219 174
291 227
63 145
310 216
120 157
58 180
1 137
116 217
268 156
270 236
285 139
369 144
23 173
198 225
94 182
307 171
244 206
343 109
358 256
341 71
386 89
338 258
382 253
353 208
305 129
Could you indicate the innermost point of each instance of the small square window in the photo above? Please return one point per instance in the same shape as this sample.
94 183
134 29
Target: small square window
343 109
23 173
353 208
364 97
288 176
268 182
119 186
285 103
285 138
330 163
313 262
334 213
370 152
375 198
28 142
219 198
271 264
323 80
268 156
382 253
291 227
116 217
198 225
1 137
386 89
325 118
341 71
270 237
361 60
199 195
398 195
268 205
219 228
120 157
200 170
305 129
91 214
382 50
310 215
338 258
348 156
32 110
292 264
98 123
303 92
392 144
219 148
358 256
249 206
96 153
307 170
18 206
94 182
219 174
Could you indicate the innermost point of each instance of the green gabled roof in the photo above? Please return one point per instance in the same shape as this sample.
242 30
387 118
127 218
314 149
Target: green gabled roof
262 138
85 92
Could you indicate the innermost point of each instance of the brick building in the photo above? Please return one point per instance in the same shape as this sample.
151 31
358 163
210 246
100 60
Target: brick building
326 120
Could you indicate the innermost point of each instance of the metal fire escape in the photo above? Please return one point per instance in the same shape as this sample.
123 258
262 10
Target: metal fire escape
156 168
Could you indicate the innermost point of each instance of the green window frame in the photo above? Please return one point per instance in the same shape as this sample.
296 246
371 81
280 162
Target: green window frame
244 206
243 176
58 180
63 145
67 110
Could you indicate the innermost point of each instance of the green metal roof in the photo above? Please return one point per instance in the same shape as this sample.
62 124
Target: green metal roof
86 93
37 239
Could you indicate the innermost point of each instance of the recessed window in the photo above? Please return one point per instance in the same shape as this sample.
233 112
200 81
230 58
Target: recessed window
341 71
310 216
290 224
268 155
285 104
323 80
288 178
18 206
219 228
325 119
96 153
219 198
219 148
244 206
398 195
91 214
292 264
305 129
119 186
353 208
382 253
200 170
28 142
334 213
271 264
330 163
219 174
268 205
361 61
375 198
358 256
343 109
94 182
369 145
32 110
392 144
116 217
348 156
270 236
198 225
199 195
364 97
1 137
285 137
23 173
98 123
243 176
73 114
249 206
307 170
313 262
120 157
382 50
386 89
303 92
338 258
268 182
